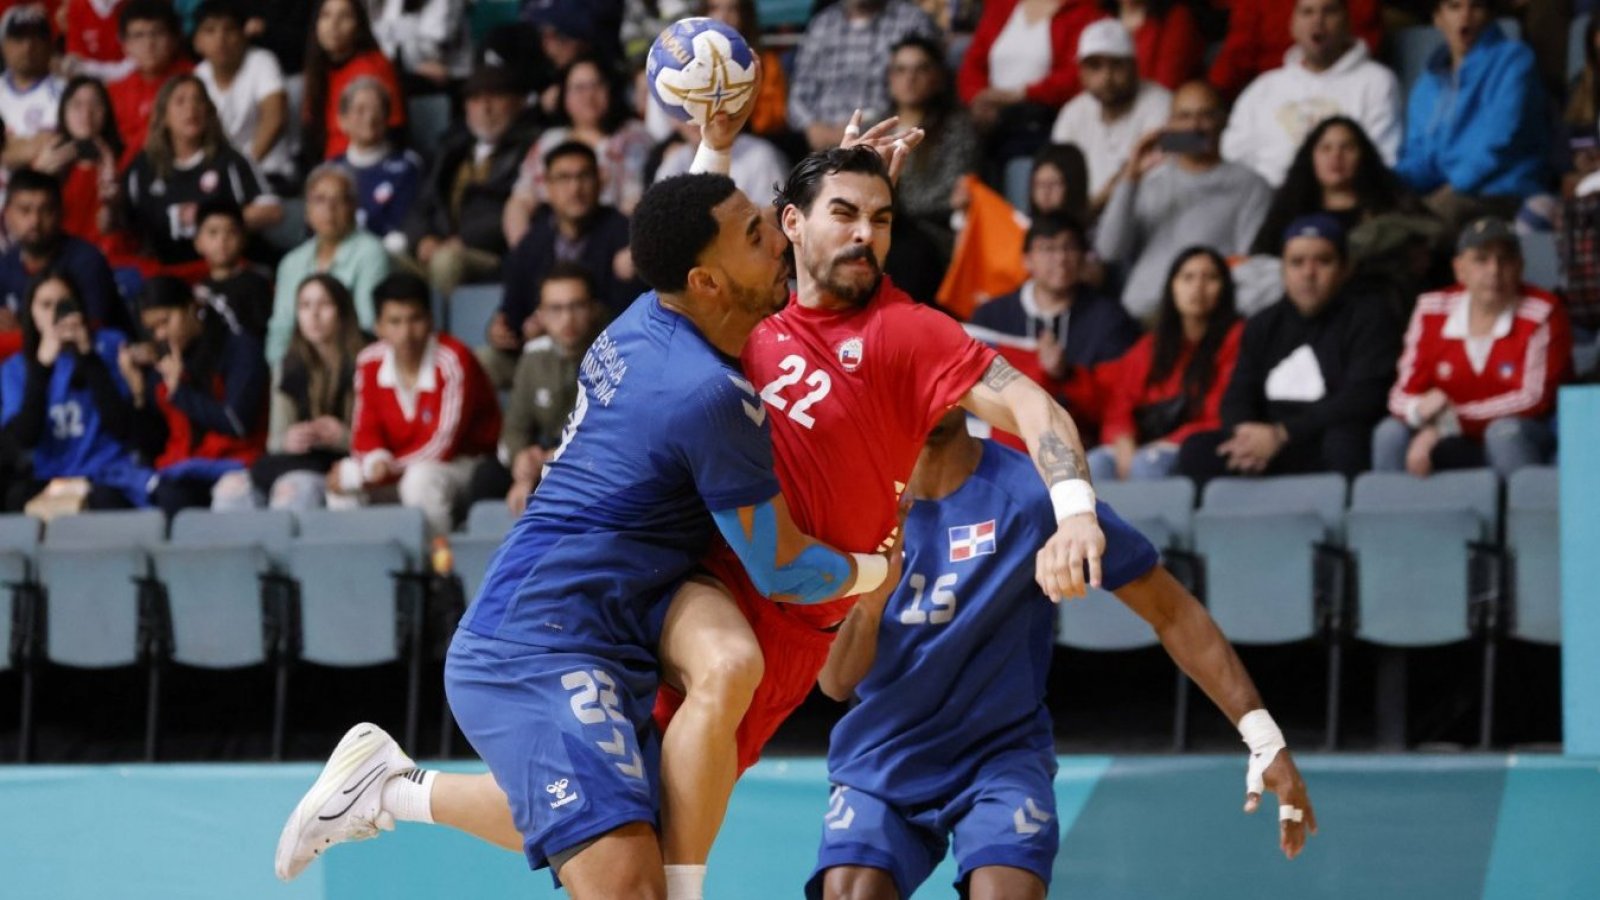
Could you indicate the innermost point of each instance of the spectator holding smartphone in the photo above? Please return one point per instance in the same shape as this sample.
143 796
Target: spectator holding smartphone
64 399
1177 191
82 154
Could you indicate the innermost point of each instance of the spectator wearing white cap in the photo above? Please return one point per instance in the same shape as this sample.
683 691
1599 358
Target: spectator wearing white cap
1115 109
1326 73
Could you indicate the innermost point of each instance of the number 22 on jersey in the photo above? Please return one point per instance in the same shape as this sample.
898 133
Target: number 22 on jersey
930 608
793 367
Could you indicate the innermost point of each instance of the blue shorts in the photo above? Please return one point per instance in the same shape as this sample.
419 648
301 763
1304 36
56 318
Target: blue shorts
568 737
1006 817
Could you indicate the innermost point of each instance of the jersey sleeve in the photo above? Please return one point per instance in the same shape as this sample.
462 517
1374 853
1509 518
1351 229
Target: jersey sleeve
935 361
724 440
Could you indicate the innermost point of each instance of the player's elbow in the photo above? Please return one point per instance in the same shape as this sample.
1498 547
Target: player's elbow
834 687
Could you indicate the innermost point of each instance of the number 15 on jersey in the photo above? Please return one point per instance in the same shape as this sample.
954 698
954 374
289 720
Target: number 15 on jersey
934 607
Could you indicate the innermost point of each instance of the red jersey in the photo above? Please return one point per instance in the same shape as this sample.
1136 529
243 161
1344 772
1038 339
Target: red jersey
372 64
93 29
1127 388
852 394
450 412
133 100
1529 356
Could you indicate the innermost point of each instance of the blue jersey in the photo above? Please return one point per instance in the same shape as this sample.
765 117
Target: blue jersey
665 429
74 442
964 646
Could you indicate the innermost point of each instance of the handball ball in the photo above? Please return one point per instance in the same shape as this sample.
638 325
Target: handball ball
699 66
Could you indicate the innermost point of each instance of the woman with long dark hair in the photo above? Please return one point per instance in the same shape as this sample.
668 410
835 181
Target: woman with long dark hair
1166 39
920 89
65 399
84 158
1170 384
339 49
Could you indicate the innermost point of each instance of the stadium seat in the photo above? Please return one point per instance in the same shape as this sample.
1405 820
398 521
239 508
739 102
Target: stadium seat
355 572
1534 546
292 231
235 627
1576 57
19 537
1273 574
1162 510
1416 542
471 308
773 13
1541 260
487 524
427 119
94 571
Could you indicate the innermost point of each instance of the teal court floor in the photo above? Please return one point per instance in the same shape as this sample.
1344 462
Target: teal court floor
1416 827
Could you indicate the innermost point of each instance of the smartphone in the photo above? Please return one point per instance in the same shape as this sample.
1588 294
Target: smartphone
87 150
1182 142
66 308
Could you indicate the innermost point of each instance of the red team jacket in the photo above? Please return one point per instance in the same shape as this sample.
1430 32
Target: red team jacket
1530 356
1126 390
851 395
453 413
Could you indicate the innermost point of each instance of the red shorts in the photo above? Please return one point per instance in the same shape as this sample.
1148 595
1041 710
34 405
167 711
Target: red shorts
794 642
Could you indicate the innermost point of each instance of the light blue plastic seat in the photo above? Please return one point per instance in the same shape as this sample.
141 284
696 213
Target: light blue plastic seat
487 524
1259 538
1163 510
19 538
212 571
1533 542
471 308
1541 260
89 565
345 563
1576 57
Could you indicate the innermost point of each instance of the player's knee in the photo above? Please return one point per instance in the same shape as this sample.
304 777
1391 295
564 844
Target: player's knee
729 677
858 883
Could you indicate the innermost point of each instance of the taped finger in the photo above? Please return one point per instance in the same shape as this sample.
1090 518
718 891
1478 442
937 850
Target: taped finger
1290 813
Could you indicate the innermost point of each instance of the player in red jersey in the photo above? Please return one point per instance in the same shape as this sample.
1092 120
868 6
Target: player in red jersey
853 375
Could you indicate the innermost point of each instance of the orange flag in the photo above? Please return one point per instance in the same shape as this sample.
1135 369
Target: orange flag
988 257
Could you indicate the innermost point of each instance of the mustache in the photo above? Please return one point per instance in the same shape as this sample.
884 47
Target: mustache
860 251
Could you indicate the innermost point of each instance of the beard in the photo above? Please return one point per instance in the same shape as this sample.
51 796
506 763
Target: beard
836 283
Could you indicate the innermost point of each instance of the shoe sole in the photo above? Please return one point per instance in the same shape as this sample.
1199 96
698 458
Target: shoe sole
358 746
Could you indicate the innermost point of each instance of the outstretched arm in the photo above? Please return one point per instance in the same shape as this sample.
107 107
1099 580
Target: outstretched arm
1010 402
789 566
1193 640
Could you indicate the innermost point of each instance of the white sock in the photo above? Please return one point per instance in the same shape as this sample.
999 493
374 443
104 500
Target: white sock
408 796
685 882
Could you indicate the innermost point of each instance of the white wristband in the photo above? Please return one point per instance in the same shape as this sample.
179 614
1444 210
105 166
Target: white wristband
708 161
1072 498
871 570
1264 739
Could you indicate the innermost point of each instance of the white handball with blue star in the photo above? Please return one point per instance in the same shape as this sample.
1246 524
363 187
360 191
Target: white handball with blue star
698 67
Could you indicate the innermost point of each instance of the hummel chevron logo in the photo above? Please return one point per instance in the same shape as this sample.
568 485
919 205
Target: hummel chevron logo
755 411
1027 815
840 815
634 769
617 746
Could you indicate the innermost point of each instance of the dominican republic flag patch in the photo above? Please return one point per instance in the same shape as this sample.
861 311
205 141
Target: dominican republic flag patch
967 541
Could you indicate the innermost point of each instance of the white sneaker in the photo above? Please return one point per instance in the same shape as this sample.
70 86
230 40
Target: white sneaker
346 801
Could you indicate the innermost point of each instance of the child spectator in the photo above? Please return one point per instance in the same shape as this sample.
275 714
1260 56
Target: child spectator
1170 384
29 94
150 35
94 41
245 85
424 412
185 161
233 287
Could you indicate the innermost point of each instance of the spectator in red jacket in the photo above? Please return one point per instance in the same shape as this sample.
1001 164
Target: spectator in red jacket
424 412
1167 42
1482 361
1170 384
152 37
1258 37
1021 67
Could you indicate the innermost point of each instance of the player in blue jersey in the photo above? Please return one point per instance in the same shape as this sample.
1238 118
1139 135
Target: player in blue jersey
553 672
951 736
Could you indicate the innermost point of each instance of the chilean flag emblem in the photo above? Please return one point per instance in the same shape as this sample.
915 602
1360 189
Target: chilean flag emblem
968 541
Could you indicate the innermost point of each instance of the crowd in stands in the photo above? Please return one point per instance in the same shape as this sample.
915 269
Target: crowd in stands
230 236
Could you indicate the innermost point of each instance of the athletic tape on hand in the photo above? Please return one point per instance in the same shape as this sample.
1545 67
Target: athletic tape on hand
1287 813
1264 739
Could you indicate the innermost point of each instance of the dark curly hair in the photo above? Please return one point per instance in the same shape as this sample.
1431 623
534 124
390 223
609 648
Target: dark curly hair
1378 190
673 225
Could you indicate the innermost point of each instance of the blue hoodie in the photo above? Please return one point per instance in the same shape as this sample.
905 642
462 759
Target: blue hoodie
1481 129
